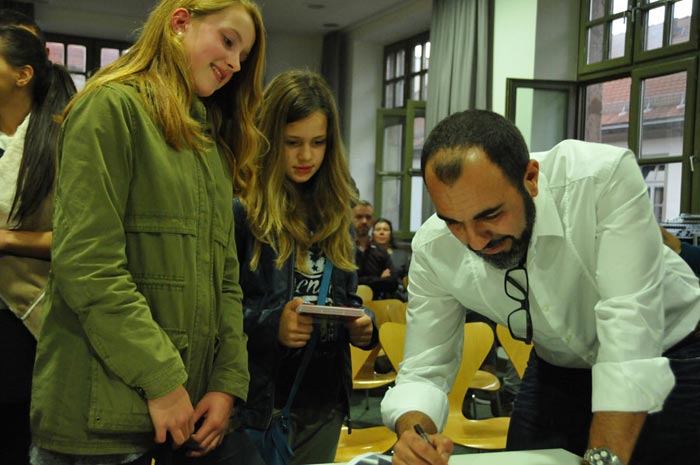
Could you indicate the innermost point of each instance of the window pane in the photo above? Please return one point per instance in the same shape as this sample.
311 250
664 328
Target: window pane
664 188
77 58
417 58
619 6
416 203
415 89
663 116
389 96
654 28
391 199
393 147
78 80
595 44
607 112
418 140
400 61
617 38
680 28
108 55
390 65
399 94
56 52
597 9
426 55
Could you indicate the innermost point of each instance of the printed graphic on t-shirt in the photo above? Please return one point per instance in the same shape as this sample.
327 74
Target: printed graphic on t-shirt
307 285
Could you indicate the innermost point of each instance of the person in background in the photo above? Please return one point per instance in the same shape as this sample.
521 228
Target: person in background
374 266
362 213
561 247
142 353
38 90
292 223
383 238
688 252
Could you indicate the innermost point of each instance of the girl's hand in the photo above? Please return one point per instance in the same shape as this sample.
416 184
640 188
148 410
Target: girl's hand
360 330
295 329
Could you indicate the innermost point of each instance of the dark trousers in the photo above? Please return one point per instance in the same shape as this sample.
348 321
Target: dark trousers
553 410
235 449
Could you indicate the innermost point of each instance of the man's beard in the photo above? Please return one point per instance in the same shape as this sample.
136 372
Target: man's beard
518 248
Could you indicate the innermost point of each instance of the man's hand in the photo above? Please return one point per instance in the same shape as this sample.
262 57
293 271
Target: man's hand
411 449
360 330
216 408
172 413
295 329
386 273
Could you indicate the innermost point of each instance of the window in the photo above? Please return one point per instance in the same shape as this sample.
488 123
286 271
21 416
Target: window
638 74
83 56
398 184
406 71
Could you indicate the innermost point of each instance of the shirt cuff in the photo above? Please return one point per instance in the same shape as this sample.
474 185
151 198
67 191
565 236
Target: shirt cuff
631 386
413 396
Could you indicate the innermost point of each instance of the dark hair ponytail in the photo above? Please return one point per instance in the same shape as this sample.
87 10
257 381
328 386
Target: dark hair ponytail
51 88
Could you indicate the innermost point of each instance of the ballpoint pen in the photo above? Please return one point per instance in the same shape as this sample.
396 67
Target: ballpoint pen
417 428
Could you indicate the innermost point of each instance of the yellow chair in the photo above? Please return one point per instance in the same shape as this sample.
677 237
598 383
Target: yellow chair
517 351
363 375
365 292
490 433
376 439
388 310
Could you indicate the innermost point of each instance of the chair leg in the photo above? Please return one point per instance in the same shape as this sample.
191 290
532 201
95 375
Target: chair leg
366 399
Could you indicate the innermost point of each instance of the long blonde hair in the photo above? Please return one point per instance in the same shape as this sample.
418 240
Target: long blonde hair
289 216
158 67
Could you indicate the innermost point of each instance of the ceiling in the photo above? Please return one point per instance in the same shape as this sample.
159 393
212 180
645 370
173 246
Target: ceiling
280 16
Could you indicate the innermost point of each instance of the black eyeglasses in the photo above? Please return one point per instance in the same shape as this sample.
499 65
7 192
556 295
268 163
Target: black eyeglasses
519 321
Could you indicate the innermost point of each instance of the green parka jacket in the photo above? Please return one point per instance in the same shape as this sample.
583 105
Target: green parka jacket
143 294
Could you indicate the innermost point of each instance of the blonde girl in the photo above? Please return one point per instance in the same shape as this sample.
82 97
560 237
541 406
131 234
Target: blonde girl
142 342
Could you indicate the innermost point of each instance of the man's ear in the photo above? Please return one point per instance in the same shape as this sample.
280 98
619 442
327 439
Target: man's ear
180 20
25 74
532 173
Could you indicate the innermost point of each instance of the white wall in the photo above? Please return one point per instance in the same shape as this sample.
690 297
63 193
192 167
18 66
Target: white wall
514 35
288 51
363 82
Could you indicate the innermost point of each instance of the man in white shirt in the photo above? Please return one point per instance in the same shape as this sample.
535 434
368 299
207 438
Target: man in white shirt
564 249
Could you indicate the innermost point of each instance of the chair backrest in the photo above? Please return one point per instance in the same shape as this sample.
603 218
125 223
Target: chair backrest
388 310
365 292
358 357
517 351
478 340
392 337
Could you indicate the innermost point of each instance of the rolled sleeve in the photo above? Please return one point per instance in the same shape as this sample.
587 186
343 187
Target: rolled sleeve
633 386
425 398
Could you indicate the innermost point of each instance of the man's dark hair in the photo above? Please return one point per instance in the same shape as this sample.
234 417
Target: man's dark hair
10 17
489 131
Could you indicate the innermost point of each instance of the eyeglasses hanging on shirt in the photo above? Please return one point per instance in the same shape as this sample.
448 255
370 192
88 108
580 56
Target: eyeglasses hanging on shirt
519 320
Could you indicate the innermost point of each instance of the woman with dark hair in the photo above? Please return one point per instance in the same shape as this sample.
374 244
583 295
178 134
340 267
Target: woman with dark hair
383 237
32 92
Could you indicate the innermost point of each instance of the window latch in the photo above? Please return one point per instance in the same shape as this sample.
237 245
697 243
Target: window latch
693 159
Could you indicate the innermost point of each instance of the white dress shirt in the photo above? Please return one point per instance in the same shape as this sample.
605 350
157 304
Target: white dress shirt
604 291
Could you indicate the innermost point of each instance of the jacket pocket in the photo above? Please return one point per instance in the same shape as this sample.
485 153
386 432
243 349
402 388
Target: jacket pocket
116 407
